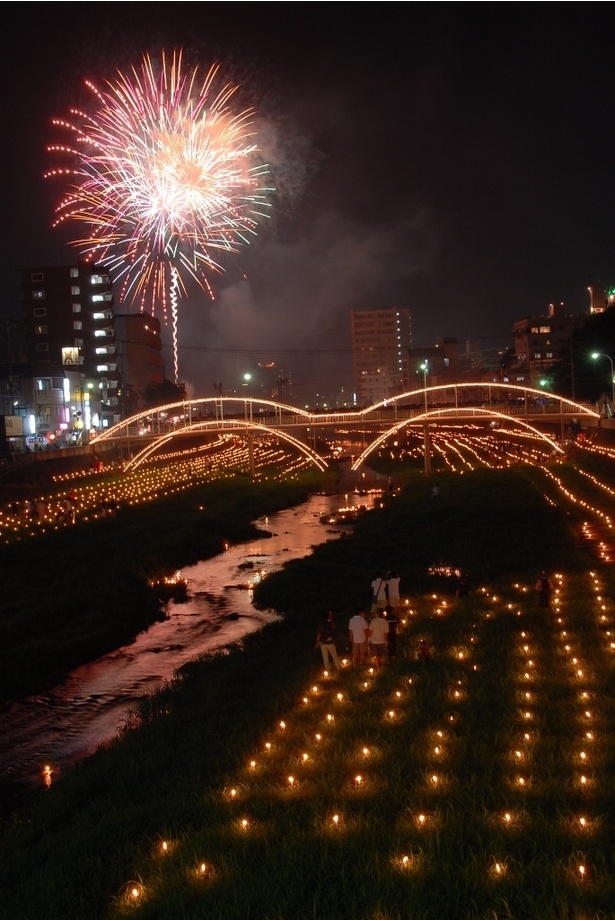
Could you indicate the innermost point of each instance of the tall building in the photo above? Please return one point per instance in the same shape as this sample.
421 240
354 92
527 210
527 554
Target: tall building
380 343
68 311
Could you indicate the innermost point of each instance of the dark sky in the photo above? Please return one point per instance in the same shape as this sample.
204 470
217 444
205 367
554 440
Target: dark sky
453 158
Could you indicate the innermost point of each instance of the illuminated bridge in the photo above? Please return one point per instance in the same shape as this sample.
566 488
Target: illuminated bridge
546 415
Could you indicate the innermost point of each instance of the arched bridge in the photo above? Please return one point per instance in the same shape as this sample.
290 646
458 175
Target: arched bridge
439 405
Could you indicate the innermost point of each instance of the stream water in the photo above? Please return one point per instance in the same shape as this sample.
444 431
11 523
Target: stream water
68 723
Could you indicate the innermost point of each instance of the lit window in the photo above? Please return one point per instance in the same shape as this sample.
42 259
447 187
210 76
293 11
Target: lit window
74 272
76 308
77 324
40 330
75 289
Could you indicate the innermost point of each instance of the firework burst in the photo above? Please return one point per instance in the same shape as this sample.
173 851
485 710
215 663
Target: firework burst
164 175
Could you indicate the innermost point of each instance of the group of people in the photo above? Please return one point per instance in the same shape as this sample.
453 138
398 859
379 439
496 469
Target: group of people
374 638
385 590
370 639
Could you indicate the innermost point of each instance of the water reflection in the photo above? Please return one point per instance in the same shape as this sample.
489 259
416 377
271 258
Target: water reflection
45 734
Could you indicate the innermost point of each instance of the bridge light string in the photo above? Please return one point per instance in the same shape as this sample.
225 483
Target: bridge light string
182 469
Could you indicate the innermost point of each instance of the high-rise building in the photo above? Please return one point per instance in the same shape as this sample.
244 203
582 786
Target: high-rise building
68 311
380 343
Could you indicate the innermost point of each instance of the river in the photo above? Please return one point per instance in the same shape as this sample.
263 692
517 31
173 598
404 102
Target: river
58 728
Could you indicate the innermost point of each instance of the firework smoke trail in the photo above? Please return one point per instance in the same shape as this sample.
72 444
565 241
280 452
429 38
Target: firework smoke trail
174 298
165 175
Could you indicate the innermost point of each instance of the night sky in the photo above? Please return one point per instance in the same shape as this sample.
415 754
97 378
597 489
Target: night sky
456 159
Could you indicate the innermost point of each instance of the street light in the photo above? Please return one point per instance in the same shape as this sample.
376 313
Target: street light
425 367
599 354
426 445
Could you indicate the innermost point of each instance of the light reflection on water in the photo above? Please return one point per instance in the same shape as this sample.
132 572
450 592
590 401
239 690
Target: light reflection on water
91 707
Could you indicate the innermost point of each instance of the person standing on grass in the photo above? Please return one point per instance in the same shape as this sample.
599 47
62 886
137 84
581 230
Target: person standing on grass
379 592
325 640
391 617
358 631
392 583
544 588
378 629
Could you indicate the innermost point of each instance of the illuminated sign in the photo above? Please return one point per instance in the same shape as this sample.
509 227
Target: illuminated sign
13 425
70 357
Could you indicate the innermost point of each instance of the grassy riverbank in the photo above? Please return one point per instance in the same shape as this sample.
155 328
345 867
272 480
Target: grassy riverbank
73 594
480 787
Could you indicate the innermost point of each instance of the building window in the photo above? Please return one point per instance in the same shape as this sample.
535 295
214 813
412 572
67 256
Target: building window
38 295
40 311
77 324
76 308
549 354
37 276
79 343
100 279
74 272
75 289
537 356
40 330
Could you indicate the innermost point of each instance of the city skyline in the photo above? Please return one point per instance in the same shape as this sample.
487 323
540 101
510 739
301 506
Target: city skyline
456 166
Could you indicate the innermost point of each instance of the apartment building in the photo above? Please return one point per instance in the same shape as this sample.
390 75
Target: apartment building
541 340
381 340
68 313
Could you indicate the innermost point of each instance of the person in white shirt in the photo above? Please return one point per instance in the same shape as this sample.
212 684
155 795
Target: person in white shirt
392 583
379 593
378 629
358 629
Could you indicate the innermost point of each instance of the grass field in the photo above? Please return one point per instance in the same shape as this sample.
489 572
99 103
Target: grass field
480 785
